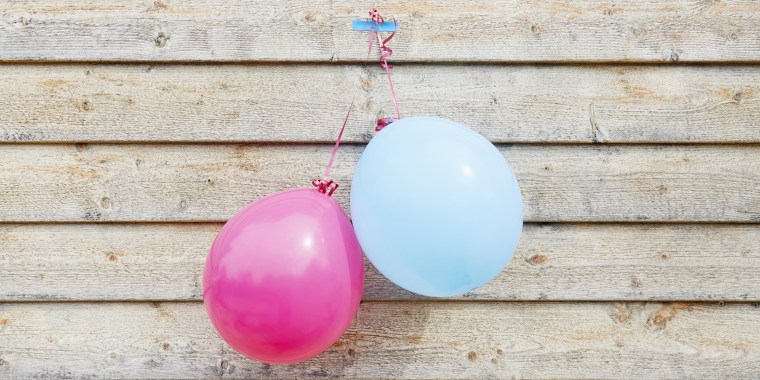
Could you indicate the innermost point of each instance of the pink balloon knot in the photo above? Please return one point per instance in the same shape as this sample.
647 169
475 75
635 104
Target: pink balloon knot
382 123
325 187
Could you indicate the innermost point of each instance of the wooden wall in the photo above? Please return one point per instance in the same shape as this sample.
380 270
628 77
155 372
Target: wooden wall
132 129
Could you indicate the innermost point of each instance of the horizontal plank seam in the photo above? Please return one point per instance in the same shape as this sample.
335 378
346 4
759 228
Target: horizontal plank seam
330 143
696 62
526 223
583 222
582 143
752 302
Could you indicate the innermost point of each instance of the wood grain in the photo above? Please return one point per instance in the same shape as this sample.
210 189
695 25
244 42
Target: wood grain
621 262
319 30
306 103
104 122
398 340
211 182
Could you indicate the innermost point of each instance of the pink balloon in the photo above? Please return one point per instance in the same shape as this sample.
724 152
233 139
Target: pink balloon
284 277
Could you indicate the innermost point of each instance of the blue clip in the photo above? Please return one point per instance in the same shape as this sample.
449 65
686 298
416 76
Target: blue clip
371 26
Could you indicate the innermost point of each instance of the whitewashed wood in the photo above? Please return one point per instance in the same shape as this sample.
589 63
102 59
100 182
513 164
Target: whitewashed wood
190 182
395 340
319 30
618 103
554 262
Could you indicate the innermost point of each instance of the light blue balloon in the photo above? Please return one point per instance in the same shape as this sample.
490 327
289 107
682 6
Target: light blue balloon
436 207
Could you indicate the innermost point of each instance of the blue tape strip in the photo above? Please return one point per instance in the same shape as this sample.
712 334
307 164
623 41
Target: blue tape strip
388 26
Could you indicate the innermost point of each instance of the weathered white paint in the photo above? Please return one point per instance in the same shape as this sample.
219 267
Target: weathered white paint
306 102
181 182
111 262
397 339
146 99
319 30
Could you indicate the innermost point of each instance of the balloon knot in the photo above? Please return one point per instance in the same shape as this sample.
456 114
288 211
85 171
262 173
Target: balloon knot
324 186
382 123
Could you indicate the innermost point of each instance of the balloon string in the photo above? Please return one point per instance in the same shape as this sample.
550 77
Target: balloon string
385 52
324 185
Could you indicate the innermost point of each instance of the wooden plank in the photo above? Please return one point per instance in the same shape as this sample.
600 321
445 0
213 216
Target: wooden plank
97 262
396 340
274 103
211 182
319 30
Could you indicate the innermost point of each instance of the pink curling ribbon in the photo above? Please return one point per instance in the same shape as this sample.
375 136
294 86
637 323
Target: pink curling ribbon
385 52
324 185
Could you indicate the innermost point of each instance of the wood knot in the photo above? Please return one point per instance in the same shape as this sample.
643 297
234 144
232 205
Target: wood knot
537 259
166 346
620 313
159 5
661 318
85 106
472 356
161 39
113 256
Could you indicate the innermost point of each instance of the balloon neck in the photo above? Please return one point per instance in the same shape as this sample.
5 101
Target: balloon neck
382 123
325 187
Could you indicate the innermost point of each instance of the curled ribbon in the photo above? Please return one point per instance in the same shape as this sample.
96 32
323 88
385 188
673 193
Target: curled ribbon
324 185
385 52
